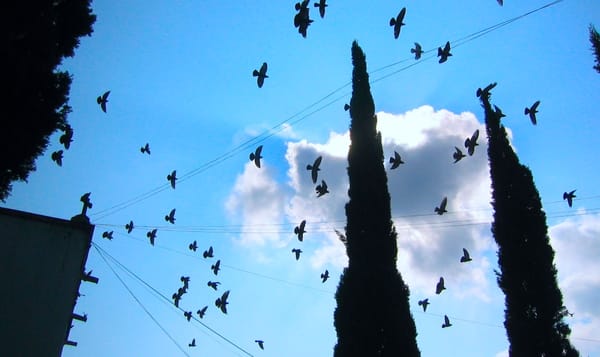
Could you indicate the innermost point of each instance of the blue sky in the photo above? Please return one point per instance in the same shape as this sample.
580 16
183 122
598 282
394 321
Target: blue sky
180 75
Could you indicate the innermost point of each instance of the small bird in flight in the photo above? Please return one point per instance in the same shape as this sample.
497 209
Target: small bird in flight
193 343
102 100
501 2
458 155
466 257
261 343
315 168
213 284
397 22
255 156
321 5
299 230
85 198
297 252
260 75
418 50
346 107
221 302
444 53
67 138
325 276
57 157
424 304
172 178
145 149
442 208
321 189
396 160
151 235
176 298
216 267
186 282
446 322
188 315
532 111
202 312
208 253
471 142
569 197
108 235
170 217
485 92
302 19
129 226
440 286
193 246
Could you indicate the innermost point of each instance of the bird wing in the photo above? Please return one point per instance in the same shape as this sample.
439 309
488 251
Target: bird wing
466 253
447 48
443 204
401 16
263 69
475 136
302 225
534 106
446 320
105 95
317 162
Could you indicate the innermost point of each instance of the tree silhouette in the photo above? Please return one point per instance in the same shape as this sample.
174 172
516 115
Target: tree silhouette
595 40
372 317
39 35
534 308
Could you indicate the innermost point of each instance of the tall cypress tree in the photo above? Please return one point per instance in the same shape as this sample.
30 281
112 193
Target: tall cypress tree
595 41
372 317
534 308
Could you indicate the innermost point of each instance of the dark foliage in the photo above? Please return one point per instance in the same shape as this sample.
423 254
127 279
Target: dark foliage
595 40
534 308
39 35
372 317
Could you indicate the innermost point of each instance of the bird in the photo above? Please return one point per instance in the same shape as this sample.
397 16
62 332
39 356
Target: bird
85 198
397 22
213 284
396 160
346 107
341 237
67 138
501 2
471 142
446 322
442 208
108 235
208 253
261 343
444 53
152 235
498 112
193 343
216 267
466 257
255 156
186 282
485 92
321 5
129 226
302 19
325 276
418 51
176 298
457 155
57 157
314 168
182 290
297 252
221 302
188 315
299 230
321 189
193 246
202 312
532 111
440 286
102 100
569 197
170 217
424 303
172 177
145 149
260 75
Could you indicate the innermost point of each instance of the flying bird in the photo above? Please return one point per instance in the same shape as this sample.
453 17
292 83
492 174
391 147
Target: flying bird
302 19
67 138
172 177
221 302
501 2
57 157
299 230
446 322
213 284
202 312
297 252
442 208
129 226
440 286
170 217
193 343
397 22
321 189
208 253
216 267
176 298
325 276
418 50
485 92
193 246
145 149
346 107
151 235
186 282
444 53
341 237
188 315
471 142
569 197
102 100
396 160
466 257
532 111
424 303
321 5
314 169
260 75
261 343
457 155
108 235
255 156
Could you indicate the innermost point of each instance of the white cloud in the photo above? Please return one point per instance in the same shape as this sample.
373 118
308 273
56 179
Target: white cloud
502 354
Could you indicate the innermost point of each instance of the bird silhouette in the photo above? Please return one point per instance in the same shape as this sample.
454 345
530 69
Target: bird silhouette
67 137
341 237
299 230
446 322
440 286
129 226
202 312
57 157
297 252
321 5
261 343
216 267
302 19
85 198
176 298
569 197
397 22
314 169
255 156
424 303
221 302
182 290
396 160
152 235
346 107
172 177
193 343
193 246
442 208
485 92
108 235
501 2
188 315
498 112
145 149
102 100
532 111
457 155
466 257
471 142
171 217
208 253
325 276
186 282
321 189
260 75
444 53
418 50
213 284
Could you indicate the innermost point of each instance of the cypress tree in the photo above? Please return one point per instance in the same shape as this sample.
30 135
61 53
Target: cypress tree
372 317
595 40
534 308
